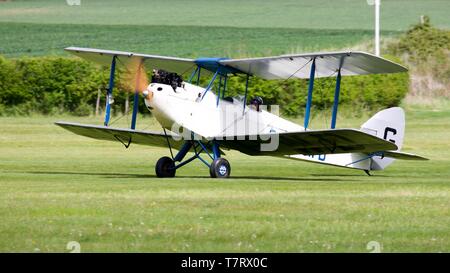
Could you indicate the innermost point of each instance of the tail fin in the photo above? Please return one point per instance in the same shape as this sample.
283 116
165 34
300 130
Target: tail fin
388 124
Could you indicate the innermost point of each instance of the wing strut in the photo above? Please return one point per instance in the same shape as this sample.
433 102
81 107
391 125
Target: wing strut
336 100
218 91
194 73
135 110
246 93
109 97
136 97
336 95
210 84
310 90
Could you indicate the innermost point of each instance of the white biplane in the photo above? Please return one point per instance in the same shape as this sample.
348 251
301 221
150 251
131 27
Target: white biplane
203 120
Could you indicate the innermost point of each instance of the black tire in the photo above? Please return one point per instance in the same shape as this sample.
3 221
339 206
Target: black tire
220 168
165 167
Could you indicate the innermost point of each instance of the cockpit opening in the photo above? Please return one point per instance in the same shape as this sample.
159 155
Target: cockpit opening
165 77
256 103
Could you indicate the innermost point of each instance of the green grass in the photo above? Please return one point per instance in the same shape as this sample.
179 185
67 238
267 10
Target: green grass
18 39
56 187
314 14
204 27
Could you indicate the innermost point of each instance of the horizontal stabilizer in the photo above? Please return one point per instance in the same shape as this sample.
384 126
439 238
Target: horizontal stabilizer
403 156
125 136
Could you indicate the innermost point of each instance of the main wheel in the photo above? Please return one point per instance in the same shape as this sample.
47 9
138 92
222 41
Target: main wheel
220 168
165 167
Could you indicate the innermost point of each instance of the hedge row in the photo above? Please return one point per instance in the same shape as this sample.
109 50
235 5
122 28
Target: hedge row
427 50
421 42
52 85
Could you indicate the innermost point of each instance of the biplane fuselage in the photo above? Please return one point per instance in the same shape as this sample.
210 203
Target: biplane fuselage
181 110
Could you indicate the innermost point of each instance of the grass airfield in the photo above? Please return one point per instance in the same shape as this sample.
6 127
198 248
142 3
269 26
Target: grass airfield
57 187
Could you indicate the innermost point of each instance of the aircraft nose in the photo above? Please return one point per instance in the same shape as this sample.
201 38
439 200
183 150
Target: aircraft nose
148 94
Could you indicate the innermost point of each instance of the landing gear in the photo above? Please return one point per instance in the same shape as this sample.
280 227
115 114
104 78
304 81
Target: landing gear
165 167
220 168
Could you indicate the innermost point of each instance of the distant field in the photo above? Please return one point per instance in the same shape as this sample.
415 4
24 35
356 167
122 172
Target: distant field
306 14
18 39
57 187
232 28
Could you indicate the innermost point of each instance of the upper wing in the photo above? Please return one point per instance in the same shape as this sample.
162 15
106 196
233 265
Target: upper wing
124 136
309 143
327 64
278 67
129 59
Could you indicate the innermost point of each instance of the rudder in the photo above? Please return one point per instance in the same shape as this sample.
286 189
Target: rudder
388 124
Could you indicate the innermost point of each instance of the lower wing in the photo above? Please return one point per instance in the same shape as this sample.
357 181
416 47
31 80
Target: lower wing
125 136
307 142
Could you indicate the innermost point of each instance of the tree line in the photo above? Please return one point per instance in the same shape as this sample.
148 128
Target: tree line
55 85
